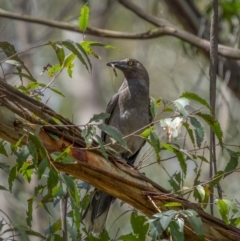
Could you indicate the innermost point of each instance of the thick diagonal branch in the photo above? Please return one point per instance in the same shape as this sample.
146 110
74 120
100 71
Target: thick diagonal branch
111 176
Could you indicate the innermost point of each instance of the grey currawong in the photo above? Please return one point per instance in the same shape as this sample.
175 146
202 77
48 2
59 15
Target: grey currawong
129 112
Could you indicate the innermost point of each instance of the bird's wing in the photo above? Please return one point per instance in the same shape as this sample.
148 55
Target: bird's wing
110 107
100 204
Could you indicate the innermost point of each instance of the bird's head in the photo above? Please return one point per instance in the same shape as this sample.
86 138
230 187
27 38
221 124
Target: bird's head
131 68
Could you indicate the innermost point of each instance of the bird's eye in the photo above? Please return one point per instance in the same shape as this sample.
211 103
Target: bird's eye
130 63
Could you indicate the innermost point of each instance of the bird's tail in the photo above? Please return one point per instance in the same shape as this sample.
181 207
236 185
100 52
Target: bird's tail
94 217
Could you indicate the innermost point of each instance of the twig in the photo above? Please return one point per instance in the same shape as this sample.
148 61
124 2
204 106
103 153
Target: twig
153 203
213 74
63 208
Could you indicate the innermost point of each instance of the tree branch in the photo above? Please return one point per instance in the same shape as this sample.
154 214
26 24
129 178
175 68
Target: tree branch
172 30
113 177
193 21
212 94
164 28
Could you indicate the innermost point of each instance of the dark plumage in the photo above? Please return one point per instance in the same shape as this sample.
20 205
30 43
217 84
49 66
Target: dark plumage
129 112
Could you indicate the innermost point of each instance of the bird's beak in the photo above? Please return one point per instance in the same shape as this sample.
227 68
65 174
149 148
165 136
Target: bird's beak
116 64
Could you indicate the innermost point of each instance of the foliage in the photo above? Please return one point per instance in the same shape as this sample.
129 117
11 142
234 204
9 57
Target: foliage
163 137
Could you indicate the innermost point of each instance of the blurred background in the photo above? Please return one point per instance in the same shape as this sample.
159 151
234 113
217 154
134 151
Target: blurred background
174 67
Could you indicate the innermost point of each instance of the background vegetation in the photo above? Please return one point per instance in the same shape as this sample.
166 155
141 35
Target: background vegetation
174 66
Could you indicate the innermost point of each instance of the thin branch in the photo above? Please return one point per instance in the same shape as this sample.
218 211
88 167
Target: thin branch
213 75
164 28
63 209
153 203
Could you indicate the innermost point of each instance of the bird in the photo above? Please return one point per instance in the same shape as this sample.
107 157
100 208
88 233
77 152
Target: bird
129 111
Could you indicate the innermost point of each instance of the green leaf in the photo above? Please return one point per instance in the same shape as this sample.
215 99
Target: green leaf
72 188
216 179
202 194
85 54
52 179
33 85
168 109
114 133
30 77
175 181
139 225
2 148
53 228
167 218
54 69
3 188
155 217
62 157
197 98
189 131
22 155
214 124
31 232
58 191
154 106
102 147
180 223
42 167
68 60
33 152
155 143
202 158
104 236
27 170
223 209
71 46
70 70
195 221
176 232
86 46
12 176
19 142
84 17
88 133
4 167
233 162
56 91
155 229
231 205
38 145
146 132
92 43
201 191
98 117
173 204
59 52
10 52
29 212
198 129
179 155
